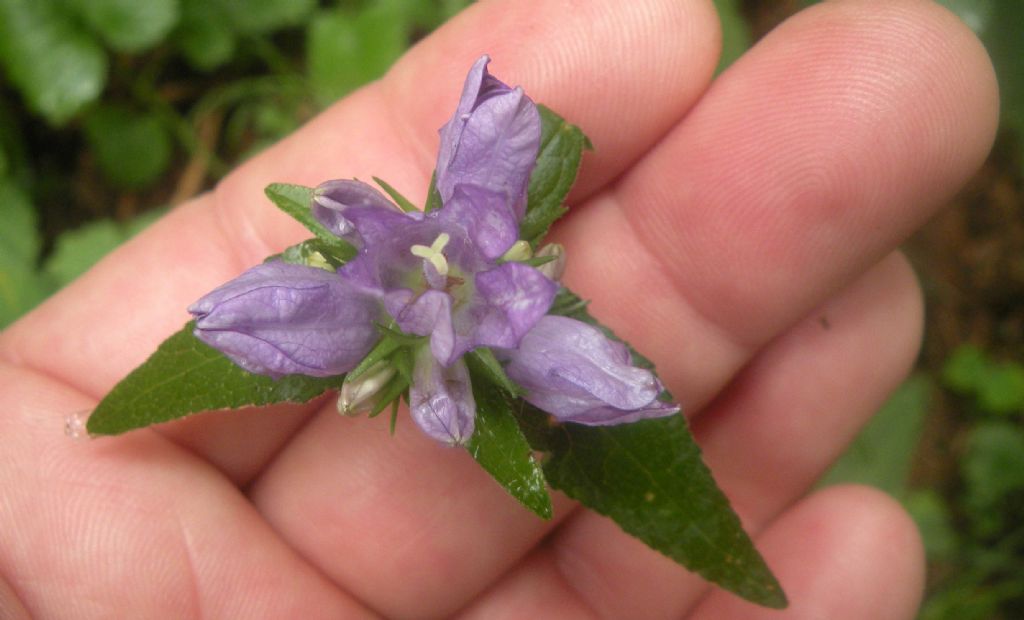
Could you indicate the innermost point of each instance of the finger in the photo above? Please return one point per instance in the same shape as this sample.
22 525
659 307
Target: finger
565 53
10 605
844 553
135 528
807 161
804 396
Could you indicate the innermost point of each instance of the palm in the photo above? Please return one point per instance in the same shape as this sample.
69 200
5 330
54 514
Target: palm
720 230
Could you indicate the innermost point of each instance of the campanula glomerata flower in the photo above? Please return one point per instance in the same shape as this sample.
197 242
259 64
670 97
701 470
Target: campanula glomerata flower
451 276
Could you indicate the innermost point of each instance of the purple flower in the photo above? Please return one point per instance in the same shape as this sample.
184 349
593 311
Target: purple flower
441 399
449 276
491 141
436 275
278 319
574 372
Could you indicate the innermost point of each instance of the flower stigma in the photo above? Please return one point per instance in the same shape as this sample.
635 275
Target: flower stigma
434 253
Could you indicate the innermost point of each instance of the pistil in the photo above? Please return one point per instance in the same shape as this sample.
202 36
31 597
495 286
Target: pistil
434 253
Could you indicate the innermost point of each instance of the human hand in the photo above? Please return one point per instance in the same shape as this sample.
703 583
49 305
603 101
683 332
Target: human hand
740 234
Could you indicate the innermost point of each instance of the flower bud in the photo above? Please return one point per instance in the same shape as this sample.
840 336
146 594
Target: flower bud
556 267
356 395
519 251
574 372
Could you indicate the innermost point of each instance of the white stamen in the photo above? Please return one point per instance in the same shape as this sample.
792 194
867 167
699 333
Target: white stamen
433 253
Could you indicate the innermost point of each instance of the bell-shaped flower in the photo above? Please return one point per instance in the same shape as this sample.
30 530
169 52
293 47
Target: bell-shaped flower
577 374
491 141
279 319
439 275
441 399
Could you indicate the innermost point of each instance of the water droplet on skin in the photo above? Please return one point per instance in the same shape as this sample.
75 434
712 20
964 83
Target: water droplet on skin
74 425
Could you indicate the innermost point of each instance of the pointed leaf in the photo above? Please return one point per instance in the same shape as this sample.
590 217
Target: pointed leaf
295 200
501 449
561 149
185 376
649 477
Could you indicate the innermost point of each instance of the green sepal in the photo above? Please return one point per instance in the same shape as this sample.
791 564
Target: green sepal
313 253
394 414
185 376
500 447
296 201
537 261
433 195
404 203
649 477
384 348
558 161
482 362
389 394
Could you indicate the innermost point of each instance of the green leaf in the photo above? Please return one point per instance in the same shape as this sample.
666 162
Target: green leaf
930 512
204 36
57 67
185 376
128 25
965 369
346 49
649 477
403 202
993 471
295 200
501 449
561 150
132 149
21 285
19 235
882 455
1002 389
735 33
263 16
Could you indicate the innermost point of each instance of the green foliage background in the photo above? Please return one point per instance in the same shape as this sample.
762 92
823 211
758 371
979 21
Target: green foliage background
111 109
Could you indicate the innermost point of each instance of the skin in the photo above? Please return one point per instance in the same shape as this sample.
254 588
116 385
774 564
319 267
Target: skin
740 232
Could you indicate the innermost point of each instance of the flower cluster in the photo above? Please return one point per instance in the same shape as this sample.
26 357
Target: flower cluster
454 276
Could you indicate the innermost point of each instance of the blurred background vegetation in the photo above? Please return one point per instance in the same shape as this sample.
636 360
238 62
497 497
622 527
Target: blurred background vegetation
111 110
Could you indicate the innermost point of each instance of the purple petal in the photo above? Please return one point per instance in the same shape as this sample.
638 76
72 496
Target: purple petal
429 314
491 141
574 372
441 399
357 212
485 216
514 297
278 319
